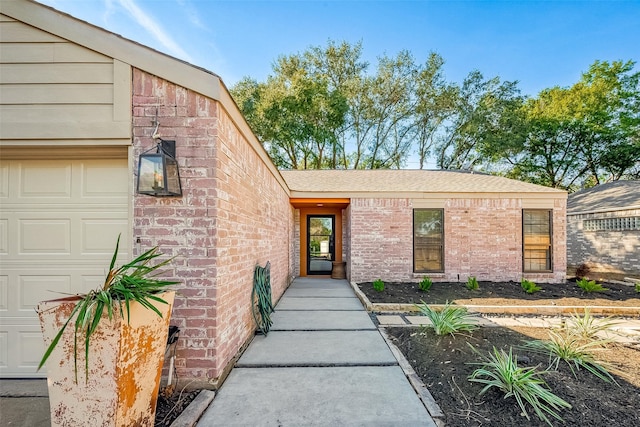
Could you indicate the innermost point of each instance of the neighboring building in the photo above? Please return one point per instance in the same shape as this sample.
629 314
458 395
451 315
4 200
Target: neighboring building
78 105
603 228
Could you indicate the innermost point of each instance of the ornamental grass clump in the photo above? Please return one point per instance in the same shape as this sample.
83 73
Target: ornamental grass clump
568 346
500 370
472 283
378 285
588 327
449 320
529 286
590 286
131 282
425 284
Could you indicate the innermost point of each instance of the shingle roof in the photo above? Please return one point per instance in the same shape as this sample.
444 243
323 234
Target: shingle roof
394 181
610 196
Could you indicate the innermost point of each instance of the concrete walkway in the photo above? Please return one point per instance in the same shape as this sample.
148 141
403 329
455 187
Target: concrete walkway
324 363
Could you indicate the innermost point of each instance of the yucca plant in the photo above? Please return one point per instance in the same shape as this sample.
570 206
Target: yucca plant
449 320
529 286
425 284
131 282
472 283
588 327
576 352
500 369
590 286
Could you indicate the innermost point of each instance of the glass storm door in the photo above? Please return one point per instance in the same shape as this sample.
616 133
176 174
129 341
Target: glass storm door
320 236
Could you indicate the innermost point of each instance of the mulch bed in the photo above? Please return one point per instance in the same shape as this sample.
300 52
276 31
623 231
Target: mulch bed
502 293
171 404
442 364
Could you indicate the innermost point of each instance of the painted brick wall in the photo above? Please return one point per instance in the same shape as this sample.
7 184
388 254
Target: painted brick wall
609 251
483 238
233 215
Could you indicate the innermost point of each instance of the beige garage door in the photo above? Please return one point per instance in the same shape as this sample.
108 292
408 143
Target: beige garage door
59 221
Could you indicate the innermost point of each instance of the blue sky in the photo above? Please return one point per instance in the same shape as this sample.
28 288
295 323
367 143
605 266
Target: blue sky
539 43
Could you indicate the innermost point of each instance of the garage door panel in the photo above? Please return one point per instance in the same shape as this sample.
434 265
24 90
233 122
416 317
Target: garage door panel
63 235
45 237
45 179
4 350
4 236
21 348
99 236
103 179
22 288
31 348
4 293
41 287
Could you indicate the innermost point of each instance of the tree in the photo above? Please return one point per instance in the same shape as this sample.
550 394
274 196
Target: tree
585 134
483 121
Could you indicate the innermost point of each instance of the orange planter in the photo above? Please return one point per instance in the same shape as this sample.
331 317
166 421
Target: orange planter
125 366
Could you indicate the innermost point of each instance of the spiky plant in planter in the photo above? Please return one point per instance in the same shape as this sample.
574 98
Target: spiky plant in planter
123 327
132 282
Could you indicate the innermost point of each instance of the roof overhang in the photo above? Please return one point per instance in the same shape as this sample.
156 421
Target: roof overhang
300 203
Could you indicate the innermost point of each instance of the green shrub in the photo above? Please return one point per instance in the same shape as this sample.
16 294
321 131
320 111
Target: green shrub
637 287
570 347
590 286
425 284
378 285
472 283
449 320
529 286
500 369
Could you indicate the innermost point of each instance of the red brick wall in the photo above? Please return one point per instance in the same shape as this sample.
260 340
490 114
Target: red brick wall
483 238
381 245
233 215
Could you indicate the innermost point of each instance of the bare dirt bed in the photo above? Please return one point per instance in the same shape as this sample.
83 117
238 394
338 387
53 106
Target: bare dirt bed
502 293
442 362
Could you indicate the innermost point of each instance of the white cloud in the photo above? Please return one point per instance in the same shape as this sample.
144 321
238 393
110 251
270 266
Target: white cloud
152 27
192 14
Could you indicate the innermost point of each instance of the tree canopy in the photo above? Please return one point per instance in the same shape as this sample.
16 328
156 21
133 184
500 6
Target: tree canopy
328 108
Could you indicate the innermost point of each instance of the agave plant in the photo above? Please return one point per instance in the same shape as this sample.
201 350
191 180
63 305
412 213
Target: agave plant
132 282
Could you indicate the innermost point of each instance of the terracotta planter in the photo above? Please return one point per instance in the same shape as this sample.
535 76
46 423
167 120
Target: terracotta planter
125 366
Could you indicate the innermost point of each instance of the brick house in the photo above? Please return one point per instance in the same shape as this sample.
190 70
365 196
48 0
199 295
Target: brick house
603 228
78 104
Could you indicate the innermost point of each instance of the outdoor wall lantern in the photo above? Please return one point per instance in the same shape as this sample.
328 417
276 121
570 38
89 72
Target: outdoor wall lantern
158 173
